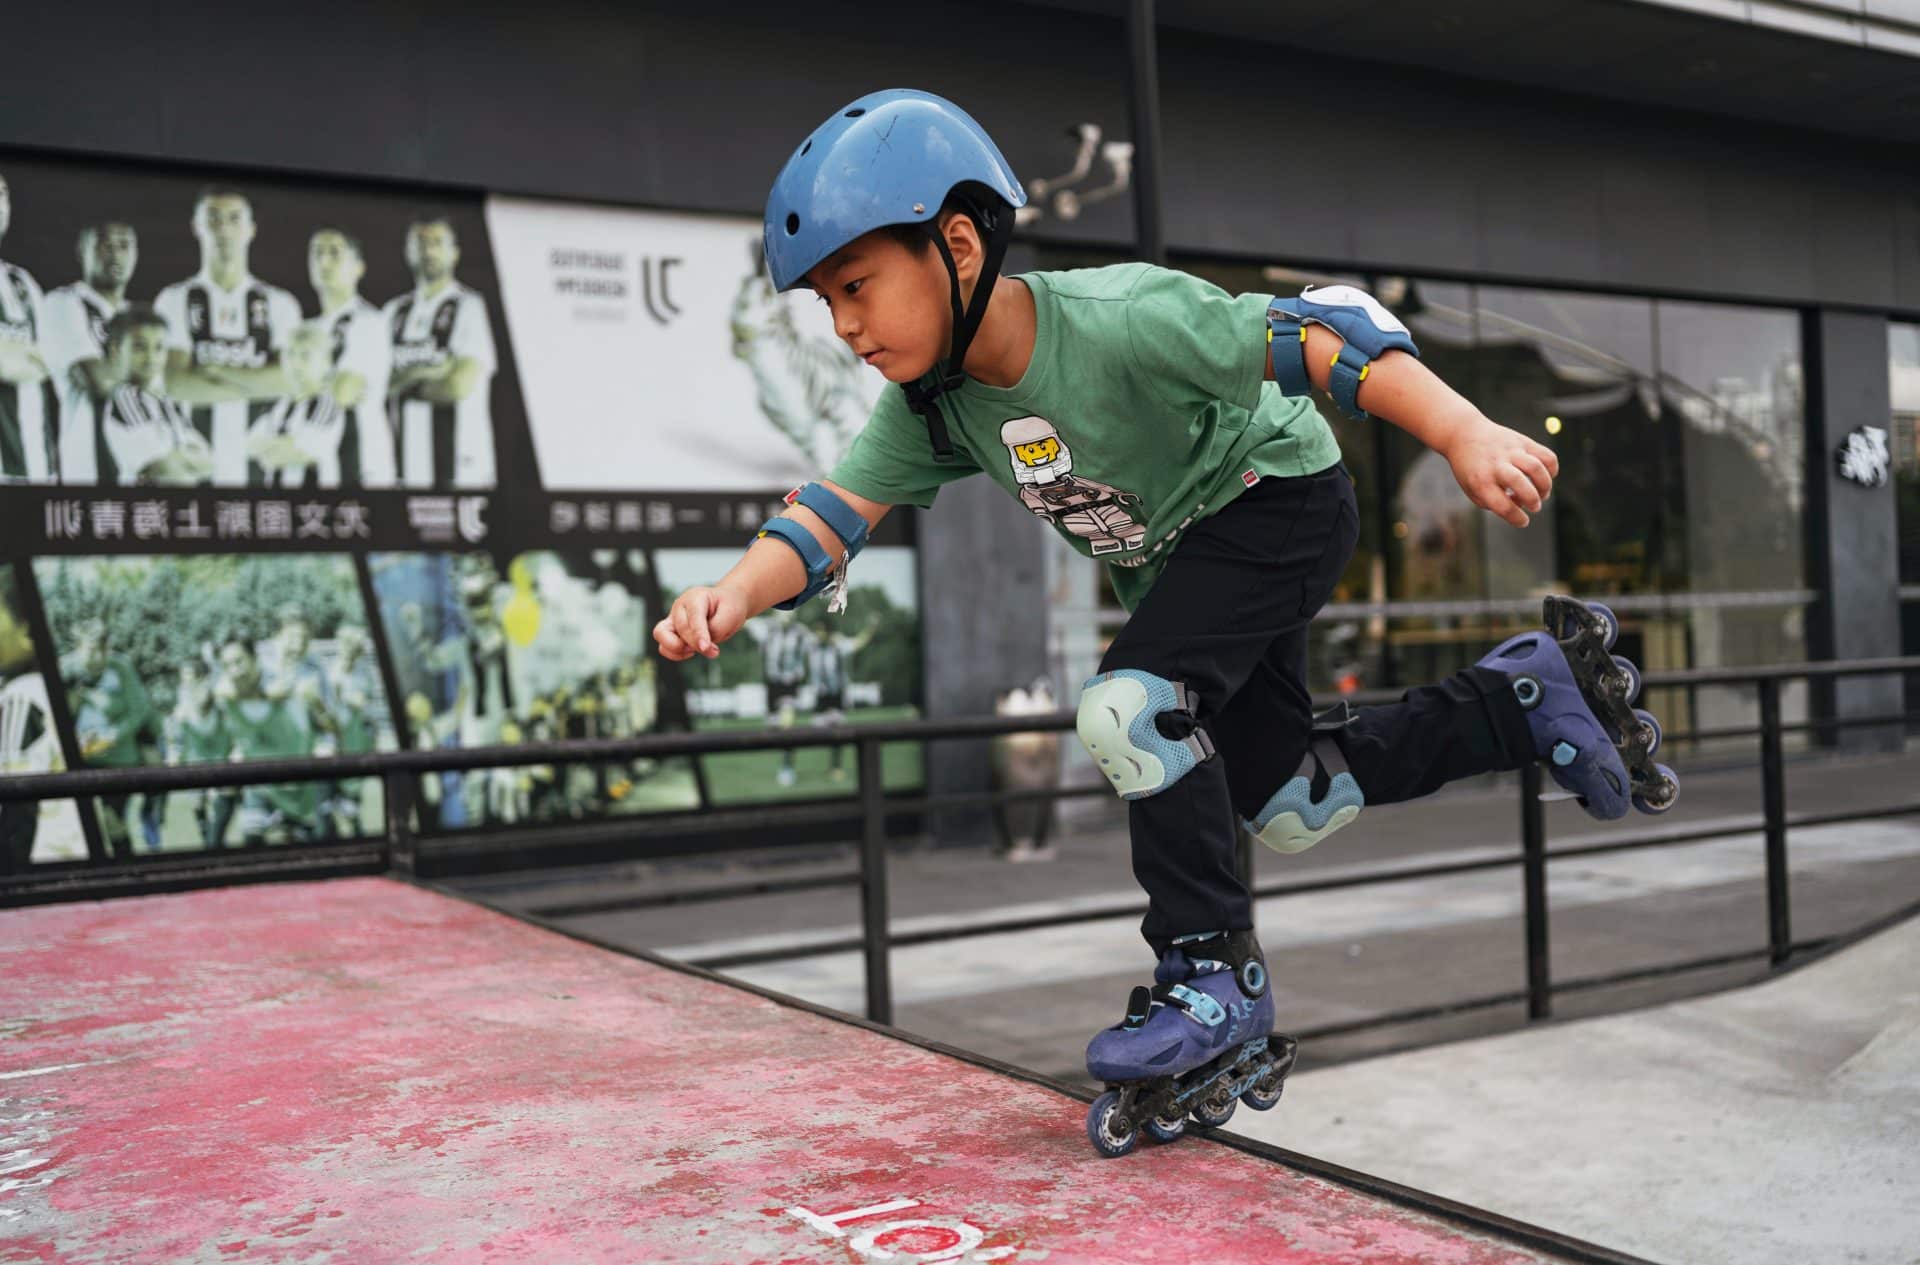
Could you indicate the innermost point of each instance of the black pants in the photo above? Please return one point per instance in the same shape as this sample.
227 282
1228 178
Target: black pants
1228 619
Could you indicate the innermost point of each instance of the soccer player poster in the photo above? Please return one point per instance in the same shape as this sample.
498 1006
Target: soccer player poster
656 337
808 668
310 336
49 830
271 659
553 647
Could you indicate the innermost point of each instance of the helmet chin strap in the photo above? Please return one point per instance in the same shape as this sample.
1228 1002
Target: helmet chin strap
997 222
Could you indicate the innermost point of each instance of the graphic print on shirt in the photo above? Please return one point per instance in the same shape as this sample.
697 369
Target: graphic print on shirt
1098 513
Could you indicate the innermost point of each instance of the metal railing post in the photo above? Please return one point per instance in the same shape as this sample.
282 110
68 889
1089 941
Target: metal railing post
396 792
1533 866
1773 808
873 883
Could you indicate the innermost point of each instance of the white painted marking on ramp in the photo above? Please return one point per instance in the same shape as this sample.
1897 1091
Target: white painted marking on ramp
48 1071
831 1224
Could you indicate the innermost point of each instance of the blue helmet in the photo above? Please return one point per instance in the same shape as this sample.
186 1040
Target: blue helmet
891 157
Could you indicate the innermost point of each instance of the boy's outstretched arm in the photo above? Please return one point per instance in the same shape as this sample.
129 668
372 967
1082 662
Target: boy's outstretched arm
1500 470
769 572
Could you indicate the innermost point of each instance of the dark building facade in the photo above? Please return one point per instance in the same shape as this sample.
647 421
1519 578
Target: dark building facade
1679 242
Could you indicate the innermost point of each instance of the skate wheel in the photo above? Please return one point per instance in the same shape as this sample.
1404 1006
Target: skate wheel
1265 1093
1215 1111
1661 795
1602 620
1104 1126
1623 664
1166 1128
1647 719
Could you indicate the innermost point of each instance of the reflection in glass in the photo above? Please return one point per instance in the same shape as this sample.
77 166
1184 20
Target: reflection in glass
1903 441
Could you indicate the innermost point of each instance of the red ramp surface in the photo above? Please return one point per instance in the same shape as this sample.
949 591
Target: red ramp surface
361 1071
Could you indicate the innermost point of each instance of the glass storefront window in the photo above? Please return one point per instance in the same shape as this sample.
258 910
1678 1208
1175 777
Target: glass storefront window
1903 442
1732 377
1681 432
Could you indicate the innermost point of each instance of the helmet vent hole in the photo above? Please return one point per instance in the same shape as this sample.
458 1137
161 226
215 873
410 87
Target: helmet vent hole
809 145
793 224
856 113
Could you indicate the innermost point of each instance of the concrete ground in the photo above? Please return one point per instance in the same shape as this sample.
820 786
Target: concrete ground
1033 999
1776 1123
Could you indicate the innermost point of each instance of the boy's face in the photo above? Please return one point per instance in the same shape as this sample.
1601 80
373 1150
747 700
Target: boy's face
308 360
140 355
890 305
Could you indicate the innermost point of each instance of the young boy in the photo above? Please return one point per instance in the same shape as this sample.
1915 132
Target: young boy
1167 428
296 443
148 437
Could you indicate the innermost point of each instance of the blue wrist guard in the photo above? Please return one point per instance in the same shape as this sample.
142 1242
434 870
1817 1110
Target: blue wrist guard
1367 331
843 519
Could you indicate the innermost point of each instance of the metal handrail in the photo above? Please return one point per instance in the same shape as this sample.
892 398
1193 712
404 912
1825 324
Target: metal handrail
398 851
73 783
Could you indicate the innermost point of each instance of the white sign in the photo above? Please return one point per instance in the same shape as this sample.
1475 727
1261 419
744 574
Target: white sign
653 352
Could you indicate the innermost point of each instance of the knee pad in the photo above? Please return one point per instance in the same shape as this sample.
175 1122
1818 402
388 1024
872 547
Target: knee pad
1318 799
1117 725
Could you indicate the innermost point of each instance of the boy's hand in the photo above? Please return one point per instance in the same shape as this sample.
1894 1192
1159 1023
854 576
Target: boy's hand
700 620
1502 471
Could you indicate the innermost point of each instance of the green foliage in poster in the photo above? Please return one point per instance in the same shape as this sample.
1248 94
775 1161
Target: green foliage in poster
161 611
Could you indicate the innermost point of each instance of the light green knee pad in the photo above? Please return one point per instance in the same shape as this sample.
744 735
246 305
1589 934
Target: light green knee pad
1293 821
1116 725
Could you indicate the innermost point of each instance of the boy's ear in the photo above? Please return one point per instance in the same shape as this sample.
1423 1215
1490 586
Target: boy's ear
963 241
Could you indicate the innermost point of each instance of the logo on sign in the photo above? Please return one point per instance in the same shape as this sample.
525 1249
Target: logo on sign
1863 457
655 273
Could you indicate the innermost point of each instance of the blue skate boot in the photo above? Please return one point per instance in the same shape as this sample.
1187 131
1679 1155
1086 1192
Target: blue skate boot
1197 1043
1579 700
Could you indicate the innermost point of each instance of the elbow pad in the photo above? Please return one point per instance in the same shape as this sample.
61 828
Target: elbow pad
1367 331
840 517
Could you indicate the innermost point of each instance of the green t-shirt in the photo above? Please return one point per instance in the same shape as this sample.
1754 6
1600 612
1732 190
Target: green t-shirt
273 729
1145 409
113 713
